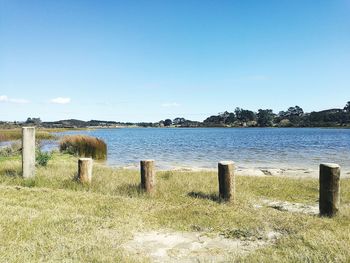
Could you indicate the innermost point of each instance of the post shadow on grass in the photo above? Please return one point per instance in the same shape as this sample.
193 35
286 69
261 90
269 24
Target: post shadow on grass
226 184
74 183
11 172
201 195
75 178
130 190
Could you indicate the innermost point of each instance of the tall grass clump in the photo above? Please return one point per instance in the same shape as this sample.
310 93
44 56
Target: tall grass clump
84 146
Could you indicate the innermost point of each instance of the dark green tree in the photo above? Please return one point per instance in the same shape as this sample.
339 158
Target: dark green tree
245 115
179 121
221 119
295 111
230 118
265 117
168 122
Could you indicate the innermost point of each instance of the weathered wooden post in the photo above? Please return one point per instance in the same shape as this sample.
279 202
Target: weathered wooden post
329 189
85 170
148 173
28 152
226 180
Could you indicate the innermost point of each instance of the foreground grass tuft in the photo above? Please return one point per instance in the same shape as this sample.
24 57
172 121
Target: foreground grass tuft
54 218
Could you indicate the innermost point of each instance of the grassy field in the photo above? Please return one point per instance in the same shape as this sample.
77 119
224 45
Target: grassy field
54 218
40 133
16 134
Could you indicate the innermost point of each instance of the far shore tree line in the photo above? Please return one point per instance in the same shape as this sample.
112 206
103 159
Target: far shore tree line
292 117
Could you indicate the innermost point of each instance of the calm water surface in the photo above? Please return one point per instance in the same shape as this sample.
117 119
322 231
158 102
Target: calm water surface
204 147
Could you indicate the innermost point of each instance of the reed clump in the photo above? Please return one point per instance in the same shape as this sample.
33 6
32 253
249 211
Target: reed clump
84 146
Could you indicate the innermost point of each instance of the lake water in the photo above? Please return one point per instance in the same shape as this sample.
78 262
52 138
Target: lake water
204 147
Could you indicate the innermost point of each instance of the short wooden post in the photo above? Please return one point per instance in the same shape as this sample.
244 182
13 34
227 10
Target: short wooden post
226 180
28 152
85 170
148 175
329 189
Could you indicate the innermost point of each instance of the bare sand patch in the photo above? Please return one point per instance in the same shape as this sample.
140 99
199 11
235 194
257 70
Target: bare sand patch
162 246
292 207
294 172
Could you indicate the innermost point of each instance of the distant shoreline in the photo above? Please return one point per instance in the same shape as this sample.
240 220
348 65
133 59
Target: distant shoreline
293 117
58 130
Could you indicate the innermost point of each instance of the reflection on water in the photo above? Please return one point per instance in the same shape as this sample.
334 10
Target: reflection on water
204 147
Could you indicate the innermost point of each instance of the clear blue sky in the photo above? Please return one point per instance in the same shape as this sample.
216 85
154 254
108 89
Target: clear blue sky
150 60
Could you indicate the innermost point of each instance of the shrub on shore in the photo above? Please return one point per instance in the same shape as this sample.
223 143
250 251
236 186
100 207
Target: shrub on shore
11 150
42 158
84 146
15 149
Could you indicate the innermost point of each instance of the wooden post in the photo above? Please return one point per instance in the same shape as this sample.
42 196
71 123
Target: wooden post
329 189
28 152
226 180
85 170
148 175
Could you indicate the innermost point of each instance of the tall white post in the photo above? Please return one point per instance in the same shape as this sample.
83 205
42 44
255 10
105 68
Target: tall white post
28 152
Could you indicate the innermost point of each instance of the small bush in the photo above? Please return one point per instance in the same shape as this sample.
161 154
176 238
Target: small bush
42 158
84 146
12 150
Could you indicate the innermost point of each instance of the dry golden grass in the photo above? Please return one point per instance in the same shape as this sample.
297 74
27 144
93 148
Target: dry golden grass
54 218
16 134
